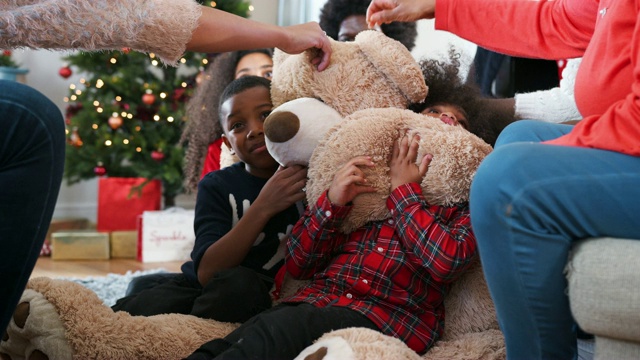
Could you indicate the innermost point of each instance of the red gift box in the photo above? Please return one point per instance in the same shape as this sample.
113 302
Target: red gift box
119 202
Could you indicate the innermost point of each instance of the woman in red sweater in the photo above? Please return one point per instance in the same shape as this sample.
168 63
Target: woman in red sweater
547 186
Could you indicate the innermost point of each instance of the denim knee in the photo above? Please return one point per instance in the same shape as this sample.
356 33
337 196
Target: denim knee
531 131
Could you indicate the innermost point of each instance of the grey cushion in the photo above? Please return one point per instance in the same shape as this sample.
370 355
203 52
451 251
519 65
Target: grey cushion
604 287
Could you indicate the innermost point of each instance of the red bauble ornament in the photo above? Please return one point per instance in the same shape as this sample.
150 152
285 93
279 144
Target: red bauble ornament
65 72
148 98
126 50
157 155
115 121
99 170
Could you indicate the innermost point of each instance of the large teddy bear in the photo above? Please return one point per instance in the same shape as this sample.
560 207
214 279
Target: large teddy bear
357 104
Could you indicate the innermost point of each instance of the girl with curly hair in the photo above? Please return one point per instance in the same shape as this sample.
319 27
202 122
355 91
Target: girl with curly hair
458 103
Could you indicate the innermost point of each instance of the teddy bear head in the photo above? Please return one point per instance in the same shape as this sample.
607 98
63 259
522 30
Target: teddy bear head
373 71
357 106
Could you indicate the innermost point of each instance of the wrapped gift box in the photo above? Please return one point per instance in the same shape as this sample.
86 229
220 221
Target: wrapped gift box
79 245
166 235
124 244
120 204
61 224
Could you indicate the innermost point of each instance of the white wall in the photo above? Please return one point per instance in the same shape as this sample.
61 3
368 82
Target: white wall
433 43
80 200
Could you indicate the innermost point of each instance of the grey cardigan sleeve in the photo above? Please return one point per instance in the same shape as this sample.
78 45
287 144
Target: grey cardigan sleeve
163 27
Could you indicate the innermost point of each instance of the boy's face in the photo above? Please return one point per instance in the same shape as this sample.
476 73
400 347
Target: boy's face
351 26
243 117
448 114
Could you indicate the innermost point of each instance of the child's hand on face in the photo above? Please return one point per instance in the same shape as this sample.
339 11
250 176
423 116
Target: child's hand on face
350 181
402 164
284 188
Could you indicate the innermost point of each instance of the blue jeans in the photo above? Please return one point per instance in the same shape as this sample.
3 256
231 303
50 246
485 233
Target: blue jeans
32 145
529 203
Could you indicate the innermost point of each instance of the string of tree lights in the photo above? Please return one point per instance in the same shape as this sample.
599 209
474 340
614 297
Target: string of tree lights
125 115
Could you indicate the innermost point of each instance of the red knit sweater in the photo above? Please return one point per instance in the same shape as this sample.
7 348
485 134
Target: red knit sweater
606 33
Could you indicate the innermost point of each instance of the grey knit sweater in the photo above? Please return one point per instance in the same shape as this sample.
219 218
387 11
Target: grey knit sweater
162 27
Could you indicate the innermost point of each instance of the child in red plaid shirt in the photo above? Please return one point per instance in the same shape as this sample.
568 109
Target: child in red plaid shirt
391 275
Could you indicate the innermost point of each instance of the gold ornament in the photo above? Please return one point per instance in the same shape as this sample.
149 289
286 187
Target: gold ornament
115 121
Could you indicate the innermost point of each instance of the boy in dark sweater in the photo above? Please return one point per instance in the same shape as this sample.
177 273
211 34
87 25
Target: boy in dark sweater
244 214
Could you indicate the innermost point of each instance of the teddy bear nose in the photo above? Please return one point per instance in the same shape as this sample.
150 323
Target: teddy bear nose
281 126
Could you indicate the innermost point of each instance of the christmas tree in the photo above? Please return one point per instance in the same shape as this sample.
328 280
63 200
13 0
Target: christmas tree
125 117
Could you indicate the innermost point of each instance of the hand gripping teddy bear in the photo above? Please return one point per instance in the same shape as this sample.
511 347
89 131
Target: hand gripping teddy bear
357 104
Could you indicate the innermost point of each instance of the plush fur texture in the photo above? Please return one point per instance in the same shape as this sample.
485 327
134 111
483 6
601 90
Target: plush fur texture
162 27
357 344
64 320
372 64
456 155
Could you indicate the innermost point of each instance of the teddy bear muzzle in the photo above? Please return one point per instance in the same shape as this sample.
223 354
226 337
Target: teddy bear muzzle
281 126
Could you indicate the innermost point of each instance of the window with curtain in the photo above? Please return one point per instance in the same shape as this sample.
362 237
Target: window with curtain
292 12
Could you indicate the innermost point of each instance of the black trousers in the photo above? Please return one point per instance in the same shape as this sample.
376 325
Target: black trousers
233 295
281 332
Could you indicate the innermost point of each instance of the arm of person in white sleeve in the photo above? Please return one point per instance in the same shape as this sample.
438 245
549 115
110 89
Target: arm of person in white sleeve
555 105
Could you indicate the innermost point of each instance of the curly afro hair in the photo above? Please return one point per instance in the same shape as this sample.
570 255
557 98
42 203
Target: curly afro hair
447 87
335 11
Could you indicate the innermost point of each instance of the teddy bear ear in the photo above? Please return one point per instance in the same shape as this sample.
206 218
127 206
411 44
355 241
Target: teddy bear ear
292 77
395 60
279 57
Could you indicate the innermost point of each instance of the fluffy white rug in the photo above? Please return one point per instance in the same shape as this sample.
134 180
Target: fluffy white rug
112 286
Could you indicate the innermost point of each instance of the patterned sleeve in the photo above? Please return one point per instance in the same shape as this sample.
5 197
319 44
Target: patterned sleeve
313 238
438 237
163 27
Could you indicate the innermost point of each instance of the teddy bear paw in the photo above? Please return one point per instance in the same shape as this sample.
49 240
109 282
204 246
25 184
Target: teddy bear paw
333 348
35 331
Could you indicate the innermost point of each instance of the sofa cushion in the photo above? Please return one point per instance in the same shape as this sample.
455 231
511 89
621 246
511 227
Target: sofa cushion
604 287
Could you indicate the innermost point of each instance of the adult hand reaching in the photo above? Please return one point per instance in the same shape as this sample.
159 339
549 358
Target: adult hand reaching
220 31
386 11
306 36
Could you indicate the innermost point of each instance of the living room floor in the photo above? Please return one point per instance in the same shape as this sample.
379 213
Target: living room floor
86 268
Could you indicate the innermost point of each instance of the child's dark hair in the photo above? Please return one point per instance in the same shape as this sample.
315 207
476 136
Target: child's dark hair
335 11
239 85
446 87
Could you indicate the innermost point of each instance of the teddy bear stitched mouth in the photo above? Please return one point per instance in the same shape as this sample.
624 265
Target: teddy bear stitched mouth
281 126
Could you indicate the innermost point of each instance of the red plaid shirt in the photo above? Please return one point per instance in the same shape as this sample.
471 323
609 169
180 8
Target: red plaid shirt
396 272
